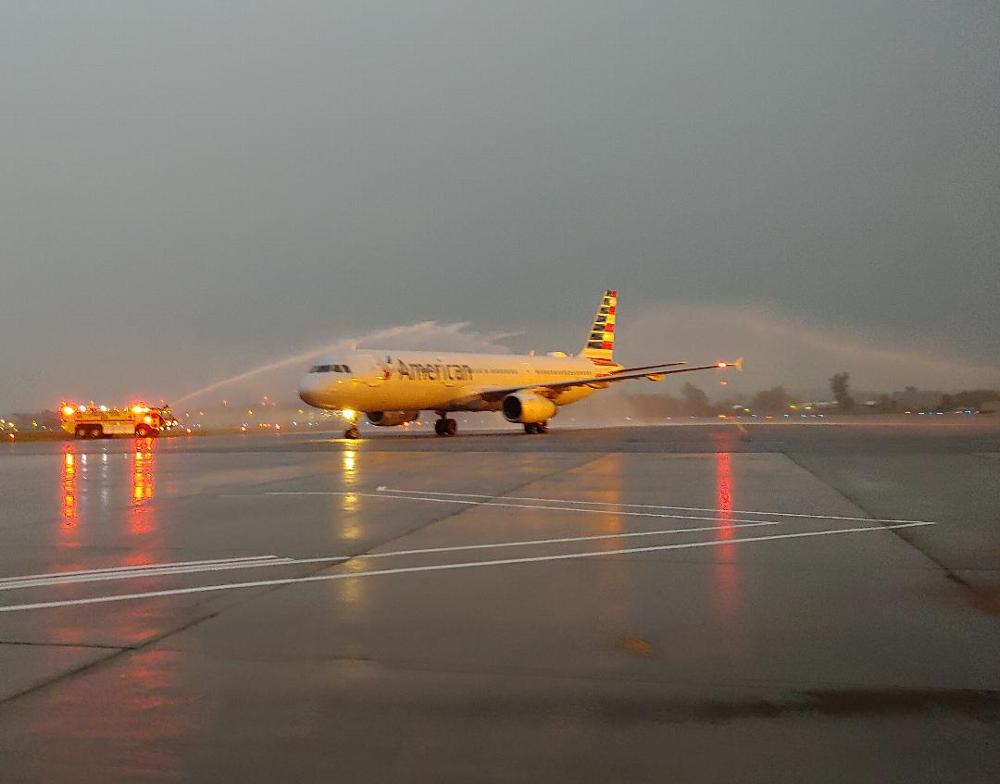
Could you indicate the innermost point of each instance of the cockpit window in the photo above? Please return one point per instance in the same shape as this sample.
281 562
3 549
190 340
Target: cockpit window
330 369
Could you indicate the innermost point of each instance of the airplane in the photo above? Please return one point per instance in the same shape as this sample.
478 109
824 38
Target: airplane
392 387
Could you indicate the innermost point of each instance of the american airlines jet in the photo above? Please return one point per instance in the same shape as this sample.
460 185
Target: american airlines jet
393 387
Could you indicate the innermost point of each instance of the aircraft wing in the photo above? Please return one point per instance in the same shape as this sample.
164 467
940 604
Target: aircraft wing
652 372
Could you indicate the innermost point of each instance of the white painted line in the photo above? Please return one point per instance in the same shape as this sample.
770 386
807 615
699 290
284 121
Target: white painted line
443 567
388 494
139 574
386 490
560 540
136 568
275 561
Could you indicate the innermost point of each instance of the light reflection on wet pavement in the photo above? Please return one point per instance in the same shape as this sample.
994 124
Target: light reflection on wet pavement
723 633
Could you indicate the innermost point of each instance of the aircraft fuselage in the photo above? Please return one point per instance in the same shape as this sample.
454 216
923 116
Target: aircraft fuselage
375 380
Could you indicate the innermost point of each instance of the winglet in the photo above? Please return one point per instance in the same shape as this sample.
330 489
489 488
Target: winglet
738 364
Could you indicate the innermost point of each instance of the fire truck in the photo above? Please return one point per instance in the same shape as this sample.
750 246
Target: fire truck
94 421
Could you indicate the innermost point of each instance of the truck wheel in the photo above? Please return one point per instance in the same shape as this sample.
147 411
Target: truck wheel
142 431
97 432
80 432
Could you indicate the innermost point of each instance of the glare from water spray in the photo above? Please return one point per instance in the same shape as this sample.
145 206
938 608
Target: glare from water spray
409 335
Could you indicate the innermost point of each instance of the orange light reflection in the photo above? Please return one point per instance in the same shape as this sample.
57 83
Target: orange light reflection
69 508
141 517
69 534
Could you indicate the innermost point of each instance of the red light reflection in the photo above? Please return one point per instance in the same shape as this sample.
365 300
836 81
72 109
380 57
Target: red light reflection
724 494
726 580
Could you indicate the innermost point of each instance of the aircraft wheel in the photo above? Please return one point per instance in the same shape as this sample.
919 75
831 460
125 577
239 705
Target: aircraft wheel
352 432
530 428
542 427
450 427
439 427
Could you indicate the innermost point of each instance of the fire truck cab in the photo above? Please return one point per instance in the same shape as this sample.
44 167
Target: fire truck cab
94 421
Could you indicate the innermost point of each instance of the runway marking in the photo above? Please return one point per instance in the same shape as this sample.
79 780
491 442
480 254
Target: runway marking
388 494
382 489
137 567
560 540
445 567
14 583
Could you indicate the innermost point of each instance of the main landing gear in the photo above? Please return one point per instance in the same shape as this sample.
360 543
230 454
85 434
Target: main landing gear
533 428
445 426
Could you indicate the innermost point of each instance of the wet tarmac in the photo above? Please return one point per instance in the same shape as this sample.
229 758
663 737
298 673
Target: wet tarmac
711 602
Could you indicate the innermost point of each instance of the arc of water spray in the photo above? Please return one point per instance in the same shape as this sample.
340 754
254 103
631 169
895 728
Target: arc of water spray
344 343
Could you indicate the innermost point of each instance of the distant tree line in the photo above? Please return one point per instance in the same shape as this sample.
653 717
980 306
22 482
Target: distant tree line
693 401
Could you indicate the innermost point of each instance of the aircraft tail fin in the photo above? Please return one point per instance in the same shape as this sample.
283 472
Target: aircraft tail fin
600 344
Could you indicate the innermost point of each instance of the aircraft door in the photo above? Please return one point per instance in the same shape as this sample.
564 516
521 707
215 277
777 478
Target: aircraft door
374 371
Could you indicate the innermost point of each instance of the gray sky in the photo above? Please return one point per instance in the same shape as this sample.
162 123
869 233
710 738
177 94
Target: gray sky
190 189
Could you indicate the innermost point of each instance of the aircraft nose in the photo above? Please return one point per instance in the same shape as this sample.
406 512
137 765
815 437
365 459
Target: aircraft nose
307 390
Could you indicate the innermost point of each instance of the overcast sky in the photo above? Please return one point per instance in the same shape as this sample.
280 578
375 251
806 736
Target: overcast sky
188 189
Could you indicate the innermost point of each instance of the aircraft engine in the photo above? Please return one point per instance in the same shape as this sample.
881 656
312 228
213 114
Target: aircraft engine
391 418
528 407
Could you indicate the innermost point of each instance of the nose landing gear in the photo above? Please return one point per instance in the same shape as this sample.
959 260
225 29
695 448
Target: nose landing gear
352 431
445 426
532 428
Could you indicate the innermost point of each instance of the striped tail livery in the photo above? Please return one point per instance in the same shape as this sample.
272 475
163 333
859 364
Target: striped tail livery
600 346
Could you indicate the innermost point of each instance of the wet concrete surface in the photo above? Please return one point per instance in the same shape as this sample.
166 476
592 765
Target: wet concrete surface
704 602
